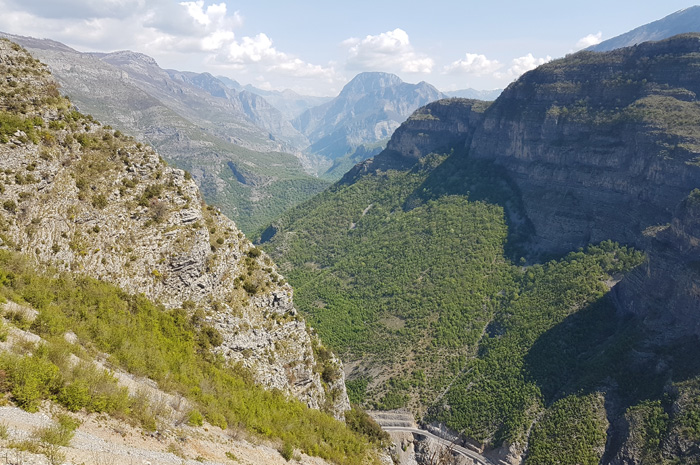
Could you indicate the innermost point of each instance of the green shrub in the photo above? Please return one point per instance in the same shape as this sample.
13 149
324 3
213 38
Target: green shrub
254 252
287 451
10 206
99 201
358 421
75 396
194 418
33 379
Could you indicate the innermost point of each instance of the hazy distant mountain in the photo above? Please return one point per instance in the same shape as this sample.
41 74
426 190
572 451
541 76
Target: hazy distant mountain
288 102
255 107
195 122
487 95
686 20
367 110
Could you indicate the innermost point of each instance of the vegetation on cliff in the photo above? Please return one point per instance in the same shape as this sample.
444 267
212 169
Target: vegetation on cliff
415 274
171 347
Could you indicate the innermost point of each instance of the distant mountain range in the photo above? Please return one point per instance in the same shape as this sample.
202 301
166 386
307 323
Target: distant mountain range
241 151
290 103
368 109
253 152
682 21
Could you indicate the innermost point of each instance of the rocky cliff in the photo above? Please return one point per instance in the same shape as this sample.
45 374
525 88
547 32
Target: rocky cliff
602 145
438 126
83 197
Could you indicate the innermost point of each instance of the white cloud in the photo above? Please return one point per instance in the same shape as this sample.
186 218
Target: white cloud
521 65
186 34
590 39
473 64
388 51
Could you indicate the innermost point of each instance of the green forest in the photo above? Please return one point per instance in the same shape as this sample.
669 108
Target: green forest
417 279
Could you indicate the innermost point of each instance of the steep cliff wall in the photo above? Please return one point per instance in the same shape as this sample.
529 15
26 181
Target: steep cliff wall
602 145
84 198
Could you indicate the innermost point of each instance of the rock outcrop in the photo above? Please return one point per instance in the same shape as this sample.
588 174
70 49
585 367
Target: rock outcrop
439 126
82 197
602 145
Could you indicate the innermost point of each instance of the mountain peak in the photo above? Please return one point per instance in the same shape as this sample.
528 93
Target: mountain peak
682 21
368 82
127 56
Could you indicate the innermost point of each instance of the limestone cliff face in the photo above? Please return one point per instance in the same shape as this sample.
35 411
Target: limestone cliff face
441 124
84 198
666 291
602 145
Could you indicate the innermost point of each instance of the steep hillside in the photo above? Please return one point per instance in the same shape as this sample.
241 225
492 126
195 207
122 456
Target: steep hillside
92 206
253 106
435 245
195 123
367 110
680 22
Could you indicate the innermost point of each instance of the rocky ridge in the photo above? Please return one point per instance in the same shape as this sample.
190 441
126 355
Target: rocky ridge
84 198
601 145
193 121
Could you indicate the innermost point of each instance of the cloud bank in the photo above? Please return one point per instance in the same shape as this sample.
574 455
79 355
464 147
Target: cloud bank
388 51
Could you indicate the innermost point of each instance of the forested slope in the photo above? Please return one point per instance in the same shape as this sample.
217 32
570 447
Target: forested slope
466 271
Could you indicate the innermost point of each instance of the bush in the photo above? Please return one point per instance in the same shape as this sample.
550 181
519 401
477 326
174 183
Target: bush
10 206
75 396
287 451
99 201
194 418
33 379
358 421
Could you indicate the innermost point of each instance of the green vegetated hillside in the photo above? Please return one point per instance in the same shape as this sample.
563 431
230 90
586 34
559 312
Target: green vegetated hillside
252 188
65 325
412 286
171 347
411 268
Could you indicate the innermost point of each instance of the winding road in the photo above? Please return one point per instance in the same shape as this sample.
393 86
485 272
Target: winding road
481 460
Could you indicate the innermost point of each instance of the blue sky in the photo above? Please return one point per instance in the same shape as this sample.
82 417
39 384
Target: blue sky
315 47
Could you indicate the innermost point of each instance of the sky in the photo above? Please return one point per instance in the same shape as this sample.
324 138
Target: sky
315 47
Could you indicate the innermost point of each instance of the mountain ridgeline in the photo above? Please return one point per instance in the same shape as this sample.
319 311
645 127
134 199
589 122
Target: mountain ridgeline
473 270
681 22
240 150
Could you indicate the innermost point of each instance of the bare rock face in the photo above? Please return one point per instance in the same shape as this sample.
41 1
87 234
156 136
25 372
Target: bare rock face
666 290
444 123
82 197
601 145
